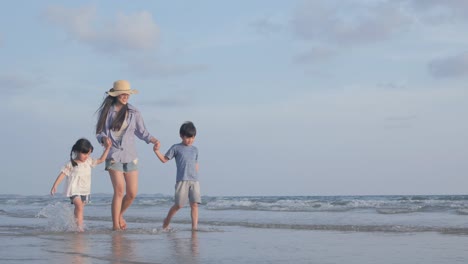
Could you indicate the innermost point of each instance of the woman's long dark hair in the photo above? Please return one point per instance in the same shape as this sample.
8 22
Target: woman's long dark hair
81 146
104 111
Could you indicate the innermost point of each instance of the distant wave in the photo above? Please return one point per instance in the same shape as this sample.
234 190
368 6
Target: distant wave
403 204
462 211
379 204
220 226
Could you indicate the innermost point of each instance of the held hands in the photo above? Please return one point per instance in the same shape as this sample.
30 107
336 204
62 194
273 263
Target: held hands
156 143
160 156
106 142
156 146
154 140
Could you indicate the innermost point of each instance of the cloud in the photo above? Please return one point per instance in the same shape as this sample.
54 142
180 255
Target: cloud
134 37
316 54
400 118
348 23
151 67
174 102
265 26
127 32
11 84
392 86
330 26
449 67
436 11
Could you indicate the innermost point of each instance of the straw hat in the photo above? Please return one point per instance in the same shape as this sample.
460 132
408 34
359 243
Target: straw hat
121 87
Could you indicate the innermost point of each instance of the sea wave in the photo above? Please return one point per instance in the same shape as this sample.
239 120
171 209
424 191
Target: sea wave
20 206
383 204
223 226
462 211
379 204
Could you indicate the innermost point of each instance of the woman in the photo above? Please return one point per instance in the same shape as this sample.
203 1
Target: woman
121 122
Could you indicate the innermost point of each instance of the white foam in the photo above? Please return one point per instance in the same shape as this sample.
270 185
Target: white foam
60 217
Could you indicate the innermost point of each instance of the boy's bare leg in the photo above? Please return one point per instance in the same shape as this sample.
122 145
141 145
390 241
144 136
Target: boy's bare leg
194 214
170 214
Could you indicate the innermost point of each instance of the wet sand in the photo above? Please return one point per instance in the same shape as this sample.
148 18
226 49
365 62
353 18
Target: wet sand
234 245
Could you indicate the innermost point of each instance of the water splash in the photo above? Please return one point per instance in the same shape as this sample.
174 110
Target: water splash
60 217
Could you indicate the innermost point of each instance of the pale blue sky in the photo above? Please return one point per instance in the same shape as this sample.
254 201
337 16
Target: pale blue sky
289 97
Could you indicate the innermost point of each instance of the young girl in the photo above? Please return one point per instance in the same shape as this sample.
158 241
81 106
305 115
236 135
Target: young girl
78 172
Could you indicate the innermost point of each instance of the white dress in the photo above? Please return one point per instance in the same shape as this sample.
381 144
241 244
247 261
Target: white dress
78 177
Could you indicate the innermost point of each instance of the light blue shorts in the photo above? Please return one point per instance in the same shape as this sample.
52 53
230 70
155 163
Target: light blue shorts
187 190
123 167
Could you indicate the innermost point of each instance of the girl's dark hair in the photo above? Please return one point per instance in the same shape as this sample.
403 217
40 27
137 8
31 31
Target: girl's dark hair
104 111
188 129
81 146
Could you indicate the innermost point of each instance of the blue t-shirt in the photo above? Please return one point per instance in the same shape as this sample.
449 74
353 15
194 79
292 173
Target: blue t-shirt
186 160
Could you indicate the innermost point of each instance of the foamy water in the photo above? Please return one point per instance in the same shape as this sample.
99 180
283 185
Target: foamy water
447 214
274 229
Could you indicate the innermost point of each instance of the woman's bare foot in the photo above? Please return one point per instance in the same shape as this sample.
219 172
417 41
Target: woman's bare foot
123 223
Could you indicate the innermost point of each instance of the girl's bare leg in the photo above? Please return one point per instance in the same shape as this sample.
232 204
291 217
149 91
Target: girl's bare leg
79 207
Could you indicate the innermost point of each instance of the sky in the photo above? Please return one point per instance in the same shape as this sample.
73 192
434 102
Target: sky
325 97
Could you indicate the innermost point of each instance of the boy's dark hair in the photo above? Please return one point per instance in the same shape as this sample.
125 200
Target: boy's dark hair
188 129
81 146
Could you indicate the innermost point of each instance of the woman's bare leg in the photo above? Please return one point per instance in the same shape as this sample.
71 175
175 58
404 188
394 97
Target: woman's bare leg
118 183
131 180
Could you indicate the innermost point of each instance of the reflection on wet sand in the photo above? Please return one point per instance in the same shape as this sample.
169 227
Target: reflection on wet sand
186 249
194 242
122 248
80 249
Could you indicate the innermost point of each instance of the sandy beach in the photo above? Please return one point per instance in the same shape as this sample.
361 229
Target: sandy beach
234 245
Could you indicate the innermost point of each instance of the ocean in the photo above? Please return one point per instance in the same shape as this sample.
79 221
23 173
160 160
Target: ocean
244 229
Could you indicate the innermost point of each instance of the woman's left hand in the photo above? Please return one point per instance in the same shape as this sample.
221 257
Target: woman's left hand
107 143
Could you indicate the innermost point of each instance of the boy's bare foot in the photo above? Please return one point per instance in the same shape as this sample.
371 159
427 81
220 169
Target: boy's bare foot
123 223
165 224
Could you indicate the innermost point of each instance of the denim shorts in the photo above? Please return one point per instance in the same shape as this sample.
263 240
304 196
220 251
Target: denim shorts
123 167
84 198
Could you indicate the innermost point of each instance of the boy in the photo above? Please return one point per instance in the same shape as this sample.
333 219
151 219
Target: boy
187 185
